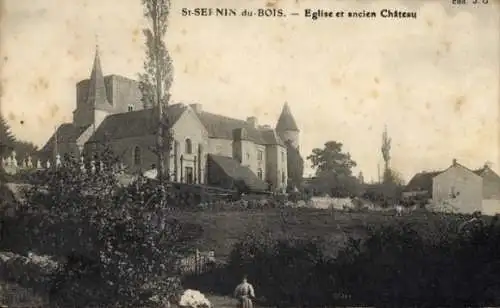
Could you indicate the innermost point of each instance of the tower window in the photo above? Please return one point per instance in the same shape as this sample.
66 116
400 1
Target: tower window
189 146
130 108
259 174
259 155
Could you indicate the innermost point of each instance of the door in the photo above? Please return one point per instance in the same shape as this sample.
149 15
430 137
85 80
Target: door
189 175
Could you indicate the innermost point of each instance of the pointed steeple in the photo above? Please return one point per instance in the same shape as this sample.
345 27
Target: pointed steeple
97 89
286 122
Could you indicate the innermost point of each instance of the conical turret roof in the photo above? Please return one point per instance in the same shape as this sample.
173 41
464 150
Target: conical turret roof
286 121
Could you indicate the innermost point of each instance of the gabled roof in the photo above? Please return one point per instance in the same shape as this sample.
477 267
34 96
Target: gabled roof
134 123
66 133
222 127
422 181
237 172
286 121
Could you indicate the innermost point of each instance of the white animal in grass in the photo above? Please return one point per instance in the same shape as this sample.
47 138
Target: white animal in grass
399 210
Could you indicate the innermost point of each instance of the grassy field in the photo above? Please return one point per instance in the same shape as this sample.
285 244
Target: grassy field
223 229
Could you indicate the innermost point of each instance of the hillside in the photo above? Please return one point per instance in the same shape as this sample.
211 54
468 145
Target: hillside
223 229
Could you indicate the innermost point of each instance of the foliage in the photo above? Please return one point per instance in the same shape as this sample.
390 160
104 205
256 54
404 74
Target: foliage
332 159
24 149
6 137
285 271
395 265
391 176
334 171
386 148
156 81
107 240
337 185
295 165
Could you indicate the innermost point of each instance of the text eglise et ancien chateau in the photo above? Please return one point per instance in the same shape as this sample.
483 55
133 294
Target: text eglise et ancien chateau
384 13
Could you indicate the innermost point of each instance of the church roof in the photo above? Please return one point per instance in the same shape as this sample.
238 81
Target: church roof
134 123
66 133
286 121
97 88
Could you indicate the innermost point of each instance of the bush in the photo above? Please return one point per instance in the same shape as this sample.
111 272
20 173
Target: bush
395 265
285 271
112 247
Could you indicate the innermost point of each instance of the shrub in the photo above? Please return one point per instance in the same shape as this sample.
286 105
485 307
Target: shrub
285 271
113 248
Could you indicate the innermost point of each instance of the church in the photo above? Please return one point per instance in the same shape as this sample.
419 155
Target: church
207 148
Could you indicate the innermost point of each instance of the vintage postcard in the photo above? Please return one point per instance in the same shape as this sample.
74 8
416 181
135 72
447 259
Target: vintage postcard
274 153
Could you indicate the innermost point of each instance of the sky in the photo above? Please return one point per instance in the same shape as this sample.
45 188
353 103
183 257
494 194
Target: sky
433 81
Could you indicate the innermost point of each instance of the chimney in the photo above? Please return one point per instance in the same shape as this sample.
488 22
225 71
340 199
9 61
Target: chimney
454 161
252 121
196 107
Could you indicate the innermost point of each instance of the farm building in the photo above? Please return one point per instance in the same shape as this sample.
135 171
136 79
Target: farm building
458 188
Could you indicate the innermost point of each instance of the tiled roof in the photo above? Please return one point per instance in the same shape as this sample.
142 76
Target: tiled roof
222 127
270 137
66 133
236 171
286 122
422 181
134 123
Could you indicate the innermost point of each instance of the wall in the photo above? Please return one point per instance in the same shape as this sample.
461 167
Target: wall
490 207
222 147
124 148
462 181
83 114
276 166
491 185
122 92
292 136
189 126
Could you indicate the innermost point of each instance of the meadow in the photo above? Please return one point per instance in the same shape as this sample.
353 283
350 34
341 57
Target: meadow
222 229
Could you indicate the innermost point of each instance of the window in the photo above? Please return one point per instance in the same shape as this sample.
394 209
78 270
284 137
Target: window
137 156
283 178
189 146
130 108
282 156
259 173
259 155
248 156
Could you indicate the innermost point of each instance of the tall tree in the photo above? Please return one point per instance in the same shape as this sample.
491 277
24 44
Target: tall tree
332 159
334 171
386 155
6 137
157 79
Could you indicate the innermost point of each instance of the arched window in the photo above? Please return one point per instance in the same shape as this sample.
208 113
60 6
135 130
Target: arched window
189 146
137 156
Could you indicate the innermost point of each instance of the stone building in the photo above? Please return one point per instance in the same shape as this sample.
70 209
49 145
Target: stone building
463 189
208 148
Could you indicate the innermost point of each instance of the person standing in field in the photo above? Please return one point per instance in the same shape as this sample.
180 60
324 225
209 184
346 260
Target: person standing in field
244 292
